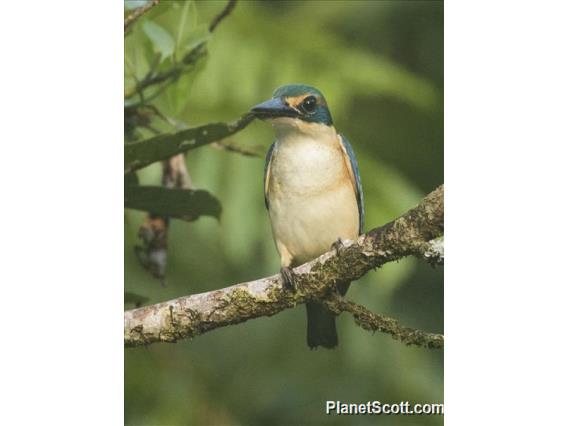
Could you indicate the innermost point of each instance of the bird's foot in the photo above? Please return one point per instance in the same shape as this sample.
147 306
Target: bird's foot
338 246
288 278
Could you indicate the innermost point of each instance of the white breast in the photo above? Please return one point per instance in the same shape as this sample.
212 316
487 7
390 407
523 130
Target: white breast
311 197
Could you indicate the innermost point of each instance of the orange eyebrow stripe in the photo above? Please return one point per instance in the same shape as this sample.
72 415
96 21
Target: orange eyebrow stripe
295 101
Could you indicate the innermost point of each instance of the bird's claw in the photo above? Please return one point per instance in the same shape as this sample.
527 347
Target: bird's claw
288 278
338 246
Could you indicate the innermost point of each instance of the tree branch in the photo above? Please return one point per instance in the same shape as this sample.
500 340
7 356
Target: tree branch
193 315
130 19
434 251
371 321
170 75
142 153
222 15
227 145
189 60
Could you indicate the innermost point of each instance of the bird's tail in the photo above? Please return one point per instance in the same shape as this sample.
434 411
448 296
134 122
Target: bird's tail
321 326
321 323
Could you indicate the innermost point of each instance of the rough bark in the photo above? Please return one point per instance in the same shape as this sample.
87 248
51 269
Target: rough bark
371 321
411 234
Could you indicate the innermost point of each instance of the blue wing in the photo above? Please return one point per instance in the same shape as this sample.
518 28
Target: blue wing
267 172
358 185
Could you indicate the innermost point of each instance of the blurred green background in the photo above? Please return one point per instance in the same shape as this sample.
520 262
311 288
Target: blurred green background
380 66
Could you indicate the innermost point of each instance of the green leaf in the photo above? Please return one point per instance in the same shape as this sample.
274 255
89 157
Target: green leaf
162 42
181 203
176 96
130 179
161 147
200 34
183 21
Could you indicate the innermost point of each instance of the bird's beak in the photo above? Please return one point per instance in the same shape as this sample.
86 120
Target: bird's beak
274 108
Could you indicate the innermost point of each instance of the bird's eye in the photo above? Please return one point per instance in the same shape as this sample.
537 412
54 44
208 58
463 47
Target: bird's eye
309 104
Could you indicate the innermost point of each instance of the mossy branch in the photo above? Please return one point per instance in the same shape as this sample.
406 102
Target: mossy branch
190 316
166 145
371 321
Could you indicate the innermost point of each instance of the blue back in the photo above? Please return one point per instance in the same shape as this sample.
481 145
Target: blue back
358 185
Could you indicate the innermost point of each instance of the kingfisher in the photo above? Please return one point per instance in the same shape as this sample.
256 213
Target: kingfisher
312 191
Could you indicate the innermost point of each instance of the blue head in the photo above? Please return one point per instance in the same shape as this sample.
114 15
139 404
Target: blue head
295 101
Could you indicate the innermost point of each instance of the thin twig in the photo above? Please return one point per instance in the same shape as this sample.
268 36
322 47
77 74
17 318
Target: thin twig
168 76
130 19
222 15
171 75
255 151
371 321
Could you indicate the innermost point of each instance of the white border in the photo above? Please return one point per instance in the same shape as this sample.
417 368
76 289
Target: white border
61 245
505 167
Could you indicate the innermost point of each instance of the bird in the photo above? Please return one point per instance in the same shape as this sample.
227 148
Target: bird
312 191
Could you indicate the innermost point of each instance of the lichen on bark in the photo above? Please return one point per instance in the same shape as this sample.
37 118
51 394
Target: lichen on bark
410 234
